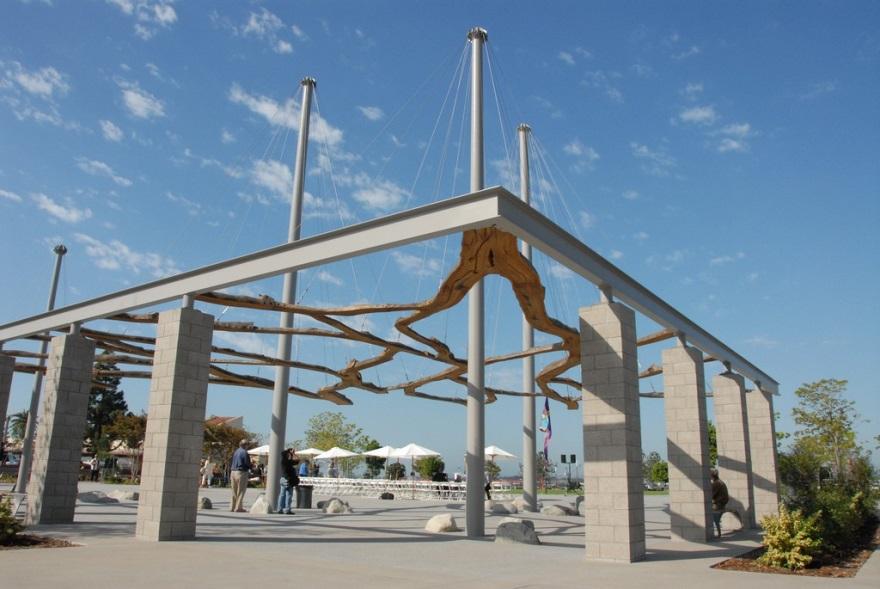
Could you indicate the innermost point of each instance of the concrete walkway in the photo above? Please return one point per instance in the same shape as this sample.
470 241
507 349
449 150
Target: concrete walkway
382 544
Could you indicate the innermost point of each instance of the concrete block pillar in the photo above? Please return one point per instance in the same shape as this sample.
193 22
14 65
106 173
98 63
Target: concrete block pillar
615 516
734 456
687 444
762 443
52 487
7 367
175 426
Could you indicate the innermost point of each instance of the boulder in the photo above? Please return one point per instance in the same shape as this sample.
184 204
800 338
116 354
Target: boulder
516 532
558 510
205 503
386 495
582 508
335 506
122 495
260 507
577 502
499 508
96 497
443 522
517 520
521 504
731 522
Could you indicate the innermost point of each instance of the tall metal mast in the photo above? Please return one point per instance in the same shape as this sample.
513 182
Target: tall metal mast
27 444
530 483
476 399
282 373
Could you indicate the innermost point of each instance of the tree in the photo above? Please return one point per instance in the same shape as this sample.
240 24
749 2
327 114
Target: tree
221 441
374 463
660 472
827 418
328 429
544 468
105 402
128 430
18 425
713 444
492 470
648 463
428 466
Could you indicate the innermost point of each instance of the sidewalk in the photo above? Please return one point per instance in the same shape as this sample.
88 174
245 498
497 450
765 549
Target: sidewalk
382 544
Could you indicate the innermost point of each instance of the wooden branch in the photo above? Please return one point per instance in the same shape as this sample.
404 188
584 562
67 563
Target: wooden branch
652 370
657 336
23 354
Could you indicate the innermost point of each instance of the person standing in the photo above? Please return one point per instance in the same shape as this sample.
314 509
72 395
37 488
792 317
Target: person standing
95 468
304 468
241 467
288 480
207 472
720 498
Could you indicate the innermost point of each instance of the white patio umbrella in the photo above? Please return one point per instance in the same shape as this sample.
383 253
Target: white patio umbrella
493 452
413 451
383 452
259 451
336 452
308 452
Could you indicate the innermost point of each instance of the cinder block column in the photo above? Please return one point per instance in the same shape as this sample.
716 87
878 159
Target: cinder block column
615 516
734 457
762 443
58 443
7 367
687 444
175 426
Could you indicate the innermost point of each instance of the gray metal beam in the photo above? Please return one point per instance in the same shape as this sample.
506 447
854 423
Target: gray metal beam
492 206
526 223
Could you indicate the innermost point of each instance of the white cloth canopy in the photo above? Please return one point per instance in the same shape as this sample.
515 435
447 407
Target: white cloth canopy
260 451
309 452
383 452
413 451
494 452
336 452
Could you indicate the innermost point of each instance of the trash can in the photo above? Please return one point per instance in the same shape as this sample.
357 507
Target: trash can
303 496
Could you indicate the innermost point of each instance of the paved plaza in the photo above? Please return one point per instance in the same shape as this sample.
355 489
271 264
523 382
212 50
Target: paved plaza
382 544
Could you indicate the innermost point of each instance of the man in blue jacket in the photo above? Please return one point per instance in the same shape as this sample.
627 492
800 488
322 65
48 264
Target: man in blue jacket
241 468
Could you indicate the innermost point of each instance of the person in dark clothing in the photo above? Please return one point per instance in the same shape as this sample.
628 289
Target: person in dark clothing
719 499
289 479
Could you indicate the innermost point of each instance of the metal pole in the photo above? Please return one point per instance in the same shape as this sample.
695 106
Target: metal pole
282 373
476 400
27 444
530 482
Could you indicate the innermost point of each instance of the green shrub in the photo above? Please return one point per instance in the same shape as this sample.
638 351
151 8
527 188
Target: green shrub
395 471
791 539
9 526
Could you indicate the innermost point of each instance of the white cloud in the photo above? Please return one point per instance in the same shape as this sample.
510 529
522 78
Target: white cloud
690 51
616 255
587 219
762 341
738 130
98 168
267 26
699 115
560 272
140 103
722 260
642 70
727 144
630 194
416 265
10 195
329 278
753 276
252 343
150 15
566 57
68 214
283 47
44 82
373 113
227 137
604 81
641 236
377 193
818 89
115 255
193 208
667 261
585 155
654 161
692 90
110 131
275 177
736 140
298 33
286 114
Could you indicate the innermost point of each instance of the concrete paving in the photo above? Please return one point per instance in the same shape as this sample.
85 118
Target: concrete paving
382 544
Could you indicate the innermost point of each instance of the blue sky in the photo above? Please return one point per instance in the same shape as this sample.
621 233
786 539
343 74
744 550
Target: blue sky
725 156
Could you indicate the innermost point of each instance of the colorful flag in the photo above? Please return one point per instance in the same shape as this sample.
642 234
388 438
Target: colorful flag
546 427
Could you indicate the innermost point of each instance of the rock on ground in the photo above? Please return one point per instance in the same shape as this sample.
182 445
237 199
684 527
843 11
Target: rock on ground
558 510
443 522
205 503
521 504
503 508
582 508
516 532
336 506
577 502
96 497
260 507
124 495
386 495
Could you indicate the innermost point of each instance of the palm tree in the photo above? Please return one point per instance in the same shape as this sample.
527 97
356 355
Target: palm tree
17 425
